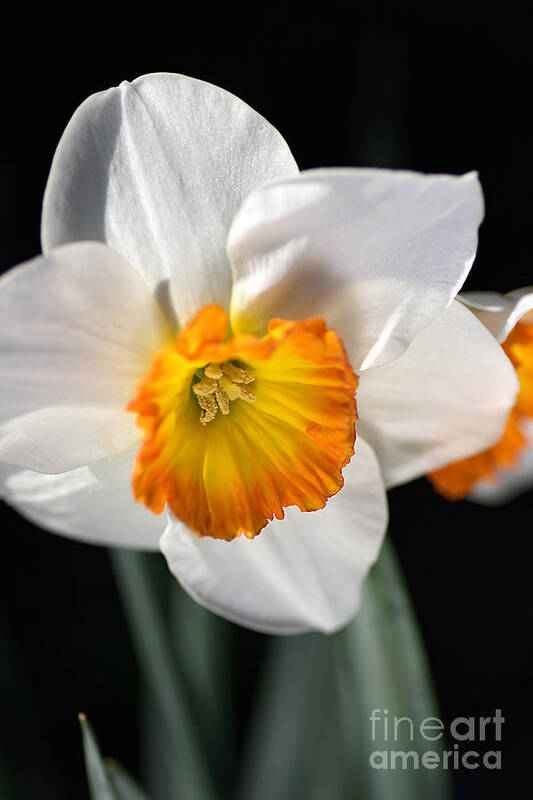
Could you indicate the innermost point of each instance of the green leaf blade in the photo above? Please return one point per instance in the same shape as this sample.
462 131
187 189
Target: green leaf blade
100 787
125 787
186 765
293 750
382 665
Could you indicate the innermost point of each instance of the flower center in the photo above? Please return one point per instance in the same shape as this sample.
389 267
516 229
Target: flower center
218 385
284 445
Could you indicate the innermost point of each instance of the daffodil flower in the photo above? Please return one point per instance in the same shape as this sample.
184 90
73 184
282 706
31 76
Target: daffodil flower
236 308
505 469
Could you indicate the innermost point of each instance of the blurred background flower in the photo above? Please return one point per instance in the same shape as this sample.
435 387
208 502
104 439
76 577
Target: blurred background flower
504 470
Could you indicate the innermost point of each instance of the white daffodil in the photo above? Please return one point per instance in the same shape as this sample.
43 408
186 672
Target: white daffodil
191 273
500 472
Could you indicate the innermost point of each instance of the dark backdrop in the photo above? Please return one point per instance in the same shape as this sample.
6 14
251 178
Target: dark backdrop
437 88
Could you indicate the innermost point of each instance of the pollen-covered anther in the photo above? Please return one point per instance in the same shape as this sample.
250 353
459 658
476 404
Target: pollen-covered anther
236 374
213 371
222 400
209 407
219 385
245 394
205 387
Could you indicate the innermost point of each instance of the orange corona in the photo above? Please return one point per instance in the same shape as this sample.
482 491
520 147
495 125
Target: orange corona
458 479
237 429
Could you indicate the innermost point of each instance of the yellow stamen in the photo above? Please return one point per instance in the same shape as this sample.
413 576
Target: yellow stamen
222 383
214 371
222 400
245 394
236 374
209 408
204 387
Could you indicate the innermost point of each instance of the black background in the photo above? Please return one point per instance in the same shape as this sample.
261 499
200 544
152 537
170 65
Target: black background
440 89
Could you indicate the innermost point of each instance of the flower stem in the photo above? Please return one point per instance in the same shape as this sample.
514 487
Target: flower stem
186 763
382 666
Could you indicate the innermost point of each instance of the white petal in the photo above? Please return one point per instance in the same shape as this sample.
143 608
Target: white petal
79 330
301 573
377 253
500 312
446 398
509 482
157 168
93 504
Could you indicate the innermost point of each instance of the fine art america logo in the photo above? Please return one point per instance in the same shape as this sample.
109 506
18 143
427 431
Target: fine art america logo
460 745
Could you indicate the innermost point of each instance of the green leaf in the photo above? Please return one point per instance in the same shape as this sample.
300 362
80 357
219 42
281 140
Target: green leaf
381 664
126 788
186 763
202 642
293 750
100 787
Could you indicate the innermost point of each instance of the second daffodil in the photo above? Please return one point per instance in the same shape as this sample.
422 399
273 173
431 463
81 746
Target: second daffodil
204 319
505 469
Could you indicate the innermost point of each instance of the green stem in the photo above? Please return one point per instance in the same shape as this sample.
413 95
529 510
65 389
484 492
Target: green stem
202 643
188 767
293 749
382 665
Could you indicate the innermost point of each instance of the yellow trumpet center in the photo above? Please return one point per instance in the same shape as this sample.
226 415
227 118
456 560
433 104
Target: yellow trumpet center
237 429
